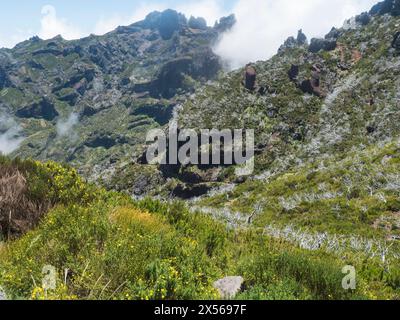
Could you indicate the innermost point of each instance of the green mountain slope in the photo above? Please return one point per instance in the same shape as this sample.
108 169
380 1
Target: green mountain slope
90 102
325 192
103 245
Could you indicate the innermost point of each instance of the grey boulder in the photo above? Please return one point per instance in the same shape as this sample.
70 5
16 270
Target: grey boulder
229 287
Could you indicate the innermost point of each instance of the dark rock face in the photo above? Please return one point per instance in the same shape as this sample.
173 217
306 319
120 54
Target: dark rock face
292 42
371 129
312 85
131 77
166 22
396 41
88 111
160 113
78 80
201 65
293 72
35 65
44 109
385 7
333 34
317 45
70 97
169 22
363 18
171 77
307 87
190 191
288 44
262 90
73 49
225 23
301 38
250 76
205 64
197 23
4 80
104 141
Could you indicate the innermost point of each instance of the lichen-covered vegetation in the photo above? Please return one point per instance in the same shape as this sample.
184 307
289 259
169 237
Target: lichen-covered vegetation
325 192
104 245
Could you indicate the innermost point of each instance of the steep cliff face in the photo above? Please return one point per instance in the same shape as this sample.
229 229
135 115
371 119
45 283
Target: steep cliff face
325 191
312 101
90 101
327 135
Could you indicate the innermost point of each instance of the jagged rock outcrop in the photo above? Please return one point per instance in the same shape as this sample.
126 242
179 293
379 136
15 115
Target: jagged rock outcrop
4 80
197 23
301 38
158 112
43 109
333 34
124 82
363 18
289 43
385 7
166 22
250 77
225 23
293 72
292 42
172 75
189 191
104 140
313 85
318 44
396 41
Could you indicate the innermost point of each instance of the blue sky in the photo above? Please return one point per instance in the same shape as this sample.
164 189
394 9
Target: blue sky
262 24
22 18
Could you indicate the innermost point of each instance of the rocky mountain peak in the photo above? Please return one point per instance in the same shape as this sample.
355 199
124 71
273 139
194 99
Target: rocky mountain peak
387 6
166 22
225 23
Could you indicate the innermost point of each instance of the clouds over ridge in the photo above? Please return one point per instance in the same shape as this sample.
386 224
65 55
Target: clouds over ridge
262 24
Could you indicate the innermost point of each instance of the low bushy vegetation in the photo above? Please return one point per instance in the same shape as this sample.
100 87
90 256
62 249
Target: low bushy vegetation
104 245
28 189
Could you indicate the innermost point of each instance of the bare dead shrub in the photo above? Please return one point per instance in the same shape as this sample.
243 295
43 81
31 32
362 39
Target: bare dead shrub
18 213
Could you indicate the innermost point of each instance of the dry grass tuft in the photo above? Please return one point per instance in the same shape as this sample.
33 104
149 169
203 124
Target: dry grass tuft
18 213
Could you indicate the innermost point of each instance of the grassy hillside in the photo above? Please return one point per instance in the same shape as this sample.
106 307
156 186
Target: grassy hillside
325 193
104 245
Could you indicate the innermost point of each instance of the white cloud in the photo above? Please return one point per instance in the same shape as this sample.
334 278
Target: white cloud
10 134
52 25
11 40
263 25
207 9
105 25
108 24
211 10
64 127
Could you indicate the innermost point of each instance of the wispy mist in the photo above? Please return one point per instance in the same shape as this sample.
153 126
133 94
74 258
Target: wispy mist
65 126
10 134
263 25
